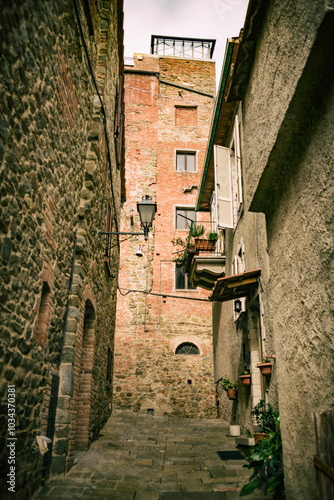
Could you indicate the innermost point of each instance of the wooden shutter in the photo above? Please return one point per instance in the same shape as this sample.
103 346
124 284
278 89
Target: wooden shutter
223 186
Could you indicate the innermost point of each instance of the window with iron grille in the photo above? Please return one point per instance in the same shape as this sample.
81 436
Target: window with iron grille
181 279
187 348
185 161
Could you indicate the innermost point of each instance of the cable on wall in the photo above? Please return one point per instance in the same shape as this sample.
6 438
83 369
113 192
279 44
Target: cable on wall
167 97
103 113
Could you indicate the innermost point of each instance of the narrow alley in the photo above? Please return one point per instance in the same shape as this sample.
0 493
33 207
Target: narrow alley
144 457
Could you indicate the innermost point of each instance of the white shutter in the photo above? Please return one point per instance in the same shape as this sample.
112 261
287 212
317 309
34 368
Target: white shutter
223 186
238 163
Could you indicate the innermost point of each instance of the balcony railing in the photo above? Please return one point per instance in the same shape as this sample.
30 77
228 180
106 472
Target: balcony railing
129 61
204 260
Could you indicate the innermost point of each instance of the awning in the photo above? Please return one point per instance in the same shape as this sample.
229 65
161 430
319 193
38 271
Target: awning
234 287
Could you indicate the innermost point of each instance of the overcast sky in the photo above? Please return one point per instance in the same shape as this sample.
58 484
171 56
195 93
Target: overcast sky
217 19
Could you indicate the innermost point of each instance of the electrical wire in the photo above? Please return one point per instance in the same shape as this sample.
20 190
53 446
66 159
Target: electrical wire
160 294
102 108
167 97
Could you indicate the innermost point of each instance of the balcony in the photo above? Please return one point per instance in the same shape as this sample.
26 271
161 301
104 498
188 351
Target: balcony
205 261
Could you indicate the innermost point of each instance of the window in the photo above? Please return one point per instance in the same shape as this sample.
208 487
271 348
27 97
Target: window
184 216
186 162
238 264
181 279
238 267
228 179
187 348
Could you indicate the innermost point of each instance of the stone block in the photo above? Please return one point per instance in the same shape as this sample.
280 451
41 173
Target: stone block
58 465
66 379
60 446
245 441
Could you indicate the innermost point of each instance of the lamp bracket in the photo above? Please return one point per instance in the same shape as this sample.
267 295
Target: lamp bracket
117 232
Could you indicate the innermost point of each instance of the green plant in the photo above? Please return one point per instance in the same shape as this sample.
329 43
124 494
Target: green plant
194 232
212 236
265 360
227 384
267 461
264 416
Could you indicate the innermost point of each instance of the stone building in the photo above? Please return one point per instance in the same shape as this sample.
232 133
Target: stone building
282 83
239 277
62 180
163 350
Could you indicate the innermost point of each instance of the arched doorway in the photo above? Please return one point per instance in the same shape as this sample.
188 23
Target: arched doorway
85 360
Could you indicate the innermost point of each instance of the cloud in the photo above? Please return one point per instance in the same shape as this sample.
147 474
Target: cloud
217 19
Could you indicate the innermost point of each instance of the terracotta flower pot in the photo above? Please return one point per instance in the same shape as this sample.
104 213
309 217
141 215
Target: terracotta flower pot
265 369
245 379
260 435
232 393
204 245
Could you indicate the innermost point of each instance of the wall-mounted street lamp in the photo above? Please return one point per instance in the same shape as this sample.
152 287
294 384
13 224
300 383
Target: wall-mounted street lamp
147 209
237 306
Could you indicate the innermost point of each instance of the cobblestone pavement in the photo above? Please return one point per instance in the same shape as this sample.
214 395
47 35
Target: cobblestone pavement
143 457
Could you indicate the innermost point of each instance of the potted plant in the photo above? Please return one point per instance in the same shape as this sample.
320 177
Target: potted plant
207 244
245 378
229 387
265 367
213 236
265 419
266 460
187 243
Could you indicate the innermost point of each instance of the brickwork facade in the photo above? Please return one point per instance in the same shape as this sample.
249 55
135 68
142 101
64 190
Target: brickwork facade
161 120
58 172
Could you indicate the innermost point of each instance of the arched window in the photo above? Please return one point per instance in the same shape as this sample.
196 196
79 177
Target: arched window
187 348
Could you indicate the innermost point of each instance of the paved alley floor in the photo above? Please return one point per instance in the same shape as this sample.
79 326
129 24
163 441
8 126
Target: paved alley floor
143 457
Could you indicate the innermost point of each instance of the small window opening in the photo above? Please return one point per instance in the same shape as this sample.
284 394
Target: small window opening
187 348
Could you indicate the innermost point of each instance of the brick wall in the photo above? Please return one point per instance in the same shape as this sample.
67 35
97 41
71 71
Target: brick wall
148 373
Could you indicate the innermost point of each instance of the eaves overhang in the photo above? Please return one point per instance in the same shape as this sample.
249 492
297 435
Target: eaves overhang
235 287
220 125
255 15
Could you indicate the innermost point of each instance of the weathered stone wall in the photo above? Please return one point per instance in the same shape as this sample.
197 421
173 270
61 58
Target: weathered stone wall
53 167
243 343
290 178
148 373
